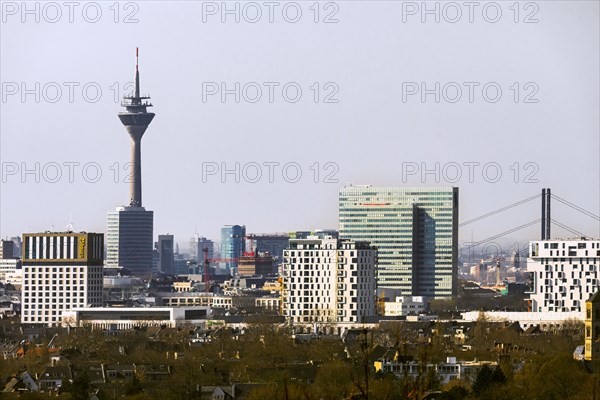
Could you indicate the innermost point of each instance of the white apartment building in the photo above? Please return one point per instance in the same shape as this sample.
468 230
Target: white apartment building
8 266
405 305
329 280
61 271
565 273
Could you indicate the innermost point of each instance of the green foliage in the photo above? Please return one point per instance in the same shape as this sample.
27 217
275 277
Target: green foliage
80 388
133 386
487 381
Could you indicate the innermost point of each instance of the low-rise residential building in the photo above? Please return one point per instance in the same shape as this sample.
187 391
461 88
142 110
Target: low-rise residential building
120 318
446 371
405 305
54 377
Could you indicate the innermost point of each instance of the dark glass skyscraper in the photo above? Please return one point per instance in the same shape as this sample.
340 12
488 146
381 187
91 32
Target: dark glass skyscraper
166 254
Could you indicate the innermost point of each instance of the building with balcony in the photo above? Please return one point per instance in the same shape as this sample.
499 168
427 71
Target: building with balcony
329 280
565 273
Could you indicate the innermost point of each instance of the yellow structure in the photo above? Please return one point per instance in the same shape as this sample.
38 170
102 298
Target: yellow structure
592 328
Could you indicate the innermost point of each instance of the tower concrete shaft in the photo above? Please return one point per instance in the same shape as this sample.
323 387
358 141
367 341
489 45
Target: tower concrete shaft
136 120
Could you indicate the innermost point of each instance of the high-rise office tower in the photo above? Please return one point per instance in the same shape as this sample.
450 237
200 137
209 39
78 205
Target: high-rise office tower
233 245
130 228
197 246
61 271
415 230
166 255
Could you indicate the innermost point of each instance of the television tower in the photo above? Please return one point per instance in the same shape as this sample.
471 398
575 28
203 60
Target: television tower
136 120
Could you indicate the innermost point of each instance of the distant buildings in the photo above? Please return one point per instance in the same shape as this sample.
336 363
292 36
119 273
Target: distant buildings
415 230
272 243
255 264
7 248
565 273
9 266
197 246
61 271
233 245
166 255
320 233
328 280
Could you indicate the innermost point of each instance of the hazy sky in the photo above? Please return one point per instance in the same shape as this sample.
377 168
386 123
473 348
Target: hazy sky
360 115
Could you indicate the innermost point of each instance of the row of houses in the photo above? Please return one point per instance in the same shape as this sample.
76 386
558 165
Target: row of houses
55 376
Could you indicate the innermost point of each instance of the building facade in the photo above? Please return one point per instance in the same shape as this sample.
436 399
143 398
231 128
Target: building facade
9 266
129 240
61 271
592 329
255 264
565 273
166 255
7 250
272 243
329 280
415 230
233 244
199 244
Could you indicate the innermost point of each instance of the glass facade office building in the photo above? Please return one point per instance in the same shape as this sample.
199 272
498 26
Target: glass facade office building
415 230
233 243
129 241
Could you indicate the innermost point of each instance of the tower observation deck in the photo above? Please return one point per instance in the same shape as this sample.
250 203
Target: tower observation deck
136 119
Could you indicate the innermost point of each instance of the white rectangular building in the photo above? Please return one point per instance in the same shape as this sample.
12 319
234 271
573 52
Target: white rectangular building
329 280
61 271
565 273
405 305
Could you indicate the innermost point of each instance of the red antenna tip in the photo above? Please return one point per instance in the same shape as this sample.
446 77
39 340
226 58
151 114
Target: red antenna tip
137 54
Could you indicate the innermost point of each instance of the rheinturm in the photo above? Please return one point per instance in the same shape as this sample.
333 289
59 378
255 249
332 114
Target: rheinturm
129 236
136 120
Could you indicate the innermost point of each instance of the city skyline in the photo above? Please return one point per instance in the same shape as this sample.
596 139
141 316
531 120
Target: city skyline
406 134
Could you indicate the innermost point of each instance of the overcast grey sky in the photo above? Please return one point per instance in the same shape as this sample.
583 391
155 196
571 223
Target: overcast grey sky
369 123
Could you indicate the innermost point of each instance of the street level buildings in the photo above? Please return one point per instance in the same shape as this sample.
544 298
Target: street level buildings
415 230
329 280
61 271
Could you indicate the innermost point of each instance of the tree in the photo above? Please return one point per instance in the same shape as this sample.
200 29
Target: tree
80 387
134 386
488 381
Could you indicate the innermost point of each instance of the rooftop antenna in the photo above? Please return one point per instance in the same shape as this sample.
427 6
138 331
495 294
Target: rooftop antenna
69 227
